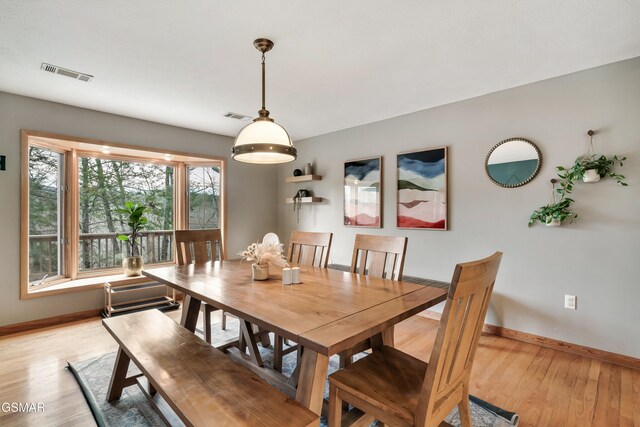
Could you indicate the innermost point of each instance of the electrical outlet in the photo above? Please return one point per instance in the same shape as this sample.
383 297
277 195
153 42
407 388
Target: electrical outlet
570 302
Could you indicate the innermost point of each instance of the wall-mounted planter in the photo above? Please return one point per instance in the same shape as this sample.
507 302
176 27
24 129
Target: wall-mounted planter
591 175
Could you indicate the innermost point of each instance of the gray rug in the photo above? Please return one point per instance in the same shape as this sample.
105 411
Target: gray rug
134 410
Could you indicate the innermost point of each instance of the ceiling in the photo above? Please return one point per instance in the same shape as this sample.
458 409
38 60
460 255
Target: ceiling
336 64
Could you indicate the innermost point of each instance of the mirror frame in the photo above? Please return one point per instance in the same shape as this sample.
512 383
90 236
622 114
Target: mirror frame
520 184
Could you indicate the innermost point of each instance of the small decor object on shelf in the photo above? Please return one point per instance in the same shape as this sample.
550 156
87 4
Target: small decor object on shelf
263 254
590 168
554 214
297 172
132 265
308 169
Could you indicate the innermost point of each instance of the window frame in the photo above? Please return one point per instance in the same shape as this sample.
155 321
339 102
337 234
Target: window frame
73 149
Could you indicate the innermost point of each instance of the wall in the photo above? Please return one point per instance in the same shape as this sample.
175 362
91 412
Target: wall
595 258
248 186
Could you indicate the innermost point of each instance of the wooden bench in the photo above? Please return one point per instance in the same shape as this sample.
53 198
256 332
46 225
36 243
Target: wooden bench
198 382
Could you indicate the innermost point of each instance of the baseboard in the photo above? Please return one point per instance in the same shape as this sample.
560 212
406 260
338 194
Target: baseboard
580 350
48 322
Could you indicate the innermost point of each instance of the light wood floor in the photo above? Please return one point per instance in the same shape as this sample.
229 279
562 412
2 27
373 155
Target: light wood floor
546 387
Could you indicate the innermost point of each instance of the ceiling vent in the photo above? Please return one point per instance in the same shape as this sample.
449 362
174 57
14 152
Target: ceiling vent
64 72
237 116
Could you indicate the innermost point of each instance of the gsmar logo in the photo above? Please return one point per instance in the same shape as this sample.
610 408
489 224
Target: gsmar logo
22 407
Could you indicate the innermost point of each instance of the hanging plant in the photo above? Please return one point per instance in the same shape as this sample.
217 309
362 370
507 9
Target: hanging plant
590 168
554 214
297 202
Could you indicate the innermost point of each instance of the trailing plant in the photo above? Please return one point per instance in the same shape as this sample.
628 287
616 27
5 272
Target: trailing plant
297 202
603 165
560 211
137 221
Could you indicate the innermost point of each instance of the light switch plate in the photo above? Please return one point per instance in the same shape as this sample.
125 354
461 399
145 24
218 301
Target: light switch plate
570 302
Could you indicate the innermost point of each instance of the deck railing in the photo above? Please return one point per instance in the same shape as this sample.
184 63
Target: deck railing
97 251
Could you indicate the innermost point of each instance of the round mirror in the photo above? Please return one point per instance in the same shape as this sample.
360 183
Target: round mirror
513 162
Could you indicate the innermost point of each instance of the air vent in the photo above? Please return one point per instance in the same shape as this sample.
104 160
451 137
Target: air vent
237 116
64 72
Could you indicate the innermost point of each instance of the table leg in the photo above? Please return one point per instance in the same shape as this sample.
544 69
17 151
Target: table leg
383 338
190 311
312 380
118 376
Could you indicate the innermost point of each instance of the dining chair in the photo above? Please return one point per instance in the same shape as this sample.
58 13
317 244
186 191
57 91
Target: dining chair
398 389
379 256
376 256
305 248
200 246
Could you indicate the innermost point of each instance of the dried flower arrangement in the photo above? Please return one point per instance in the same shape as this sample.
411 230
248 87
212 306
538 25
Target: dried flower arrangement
265 253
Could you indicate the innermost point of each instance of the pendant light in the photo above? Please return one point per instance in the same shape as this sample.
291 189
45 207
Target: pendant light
263 141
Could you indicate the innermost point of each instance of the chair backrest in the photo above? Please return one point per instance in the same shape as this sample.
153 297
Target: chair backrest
307 248
379 256
199 246
457 339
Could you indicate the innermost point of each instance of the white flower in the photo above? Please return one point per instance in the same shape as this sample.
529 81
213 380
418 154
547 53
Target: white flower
265 253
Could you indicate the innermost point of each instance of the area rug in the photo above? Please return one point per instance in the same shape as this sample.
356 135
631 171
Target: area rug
134 410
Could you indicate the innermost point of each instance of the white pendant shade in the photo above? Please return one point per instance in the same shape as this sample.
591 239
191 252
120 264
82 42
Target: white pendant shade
263 141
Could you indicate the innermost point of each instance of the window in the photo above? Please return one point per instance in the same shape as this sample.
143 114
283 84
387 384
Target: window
71 190
204 197
103 185
46 230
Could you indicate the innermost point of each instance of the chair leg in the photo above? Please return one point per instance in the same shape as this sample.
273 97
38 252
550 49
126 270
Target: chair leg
224 321
334 417
464 408
277 352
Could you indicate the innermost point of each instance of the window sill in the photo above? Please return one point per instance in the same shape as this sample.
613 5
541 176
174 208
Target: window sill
87 283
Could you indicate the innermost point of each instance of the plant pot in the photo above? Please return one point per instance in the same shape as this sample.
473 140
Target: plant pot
260 271
553 223
591 175
132 266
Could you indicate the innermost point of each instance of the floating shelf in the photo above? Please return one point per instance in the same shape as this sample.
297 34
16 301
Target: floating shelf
306 200
303 178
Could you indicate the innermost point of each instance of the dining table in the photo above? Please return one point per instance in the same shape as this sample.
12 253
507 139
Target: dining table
329 312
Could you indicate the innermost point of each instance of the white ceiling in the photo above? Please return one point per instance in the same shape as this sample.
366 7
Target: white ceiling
336 63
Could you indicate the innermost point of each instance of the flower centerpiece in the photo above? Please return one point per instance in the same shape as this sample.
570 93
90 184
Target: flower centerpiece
263 254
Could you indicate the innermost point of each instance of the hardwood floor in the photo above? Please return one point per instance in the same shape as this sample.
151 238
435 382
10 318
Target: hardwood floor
545 387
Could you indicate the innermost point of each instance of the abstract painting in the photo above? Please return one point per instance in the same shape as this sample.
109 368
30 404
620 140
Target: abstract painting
422 189
363 193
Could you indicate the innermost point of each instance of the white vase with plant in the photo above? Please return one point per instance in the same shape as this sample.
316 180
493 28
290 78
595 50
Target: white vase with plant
133 264
263 254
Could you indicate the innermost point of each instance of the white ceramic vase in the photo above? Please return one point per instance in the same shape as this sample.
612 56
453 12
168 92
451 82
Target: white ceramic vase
260 271
553 223
591 175
132 266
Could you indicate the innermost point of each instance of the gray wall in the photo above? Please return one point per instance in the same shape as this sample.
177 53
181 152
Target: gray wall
595 258
248 187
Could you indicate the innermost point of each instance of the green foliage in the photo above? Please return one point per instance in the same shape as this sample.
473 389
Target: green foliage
560 211
137 221
602 164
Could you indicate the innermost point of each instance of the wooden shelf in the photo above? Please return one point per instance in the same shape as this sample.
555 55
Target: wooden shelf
306 200
303 178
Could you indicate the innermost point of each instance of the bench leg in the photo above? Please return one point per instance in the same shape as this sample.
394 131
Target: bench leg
118 376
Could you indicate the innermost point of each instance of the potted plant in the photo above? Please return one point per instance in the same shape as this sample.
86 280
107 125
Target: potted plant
132 265
590 168
263 254
297 202
554 215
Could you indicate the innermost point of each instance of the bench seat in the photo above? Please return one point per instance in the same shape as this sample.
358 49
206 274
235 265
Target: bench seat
200 384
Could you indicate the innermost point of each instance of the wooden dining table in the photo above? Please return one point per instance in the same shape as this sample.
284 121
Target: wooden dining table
330 312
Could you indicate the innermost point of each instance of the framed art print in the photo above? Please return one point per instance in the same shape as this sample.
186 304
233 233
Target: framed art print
363 193
422 189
